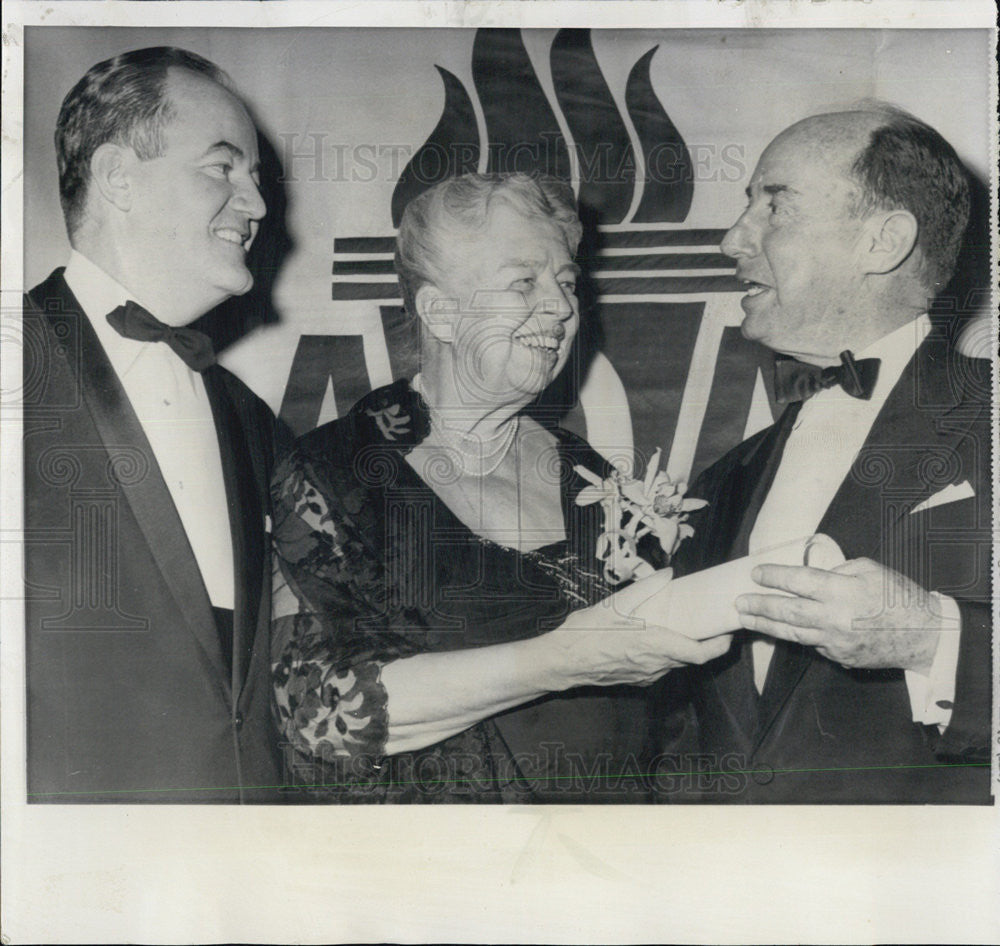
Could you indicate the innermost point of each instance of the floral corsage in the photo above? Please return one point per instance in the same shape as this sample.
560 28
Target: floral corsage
632 509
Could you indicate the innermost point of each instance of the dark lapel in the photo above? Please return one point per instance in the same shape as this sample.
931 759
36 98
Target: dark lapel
907 452
149 499
735 489
246 518
898 467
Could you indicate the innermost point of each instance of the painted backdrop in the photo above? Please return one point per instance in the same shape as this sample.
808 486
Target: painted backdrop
657 130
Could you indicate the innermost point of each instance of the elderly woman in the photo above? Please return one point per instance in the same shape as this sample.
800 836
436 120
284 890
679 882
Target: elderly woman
431 551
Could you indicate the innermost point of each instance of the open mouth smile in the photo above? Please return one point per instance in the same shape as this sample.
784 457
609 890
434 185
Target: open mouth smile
233 236
549 340
754 288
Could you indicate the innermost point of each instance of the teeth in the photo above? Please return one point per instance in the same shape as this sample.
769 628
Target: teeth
231 236
754 288
539 341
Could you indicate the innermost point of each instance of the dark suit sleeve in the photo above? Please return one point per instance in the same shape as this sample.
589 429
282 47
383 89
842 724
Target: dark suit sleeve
968 735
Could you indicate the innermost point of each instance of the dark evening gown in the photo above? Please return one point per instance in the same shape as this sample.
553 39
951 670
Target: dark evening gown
372 566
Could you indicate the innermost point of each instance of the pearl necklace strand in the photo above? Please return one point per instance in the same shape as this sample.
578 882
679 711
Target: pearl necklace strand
455 440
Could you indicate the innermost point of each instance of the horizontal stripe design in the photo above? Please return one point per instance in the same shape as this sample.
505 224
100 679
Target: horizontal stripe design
364 245
613 286
639 239
384 267
649 238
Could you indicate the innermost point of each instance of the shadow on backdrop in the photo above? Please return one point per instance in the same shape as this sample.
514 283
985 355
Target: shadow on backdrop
240 315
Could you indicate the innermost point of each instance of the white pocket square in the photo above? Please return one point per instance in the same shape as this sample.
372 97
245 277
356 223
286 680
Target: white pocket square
949 494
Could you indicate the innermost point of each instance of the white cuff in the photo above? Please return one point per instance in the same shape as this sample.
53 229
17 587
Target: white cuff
932 697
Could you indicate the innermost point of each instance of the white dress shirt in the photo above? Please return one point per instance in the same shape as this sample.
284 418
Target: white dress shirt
172 406
827 436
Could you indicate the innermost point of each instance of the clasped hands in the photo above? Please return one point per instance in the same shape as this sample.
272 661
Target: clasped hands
605 644
859 615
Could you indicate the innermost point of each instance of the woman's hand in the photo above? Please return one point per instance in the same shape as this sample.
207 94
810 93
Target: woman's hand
604 645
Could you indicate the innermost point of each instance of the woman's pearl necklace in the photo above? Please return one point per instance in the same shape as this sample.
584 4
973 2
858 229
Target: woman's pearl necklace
474 462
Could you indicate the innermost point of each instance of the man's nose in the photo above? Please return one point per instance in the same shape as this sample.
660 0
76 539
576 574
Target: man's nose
739 240
248 200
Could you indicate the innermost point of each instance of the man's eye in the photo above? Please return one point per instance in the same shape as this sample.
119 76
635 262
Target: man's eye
222 168
525 284
569 285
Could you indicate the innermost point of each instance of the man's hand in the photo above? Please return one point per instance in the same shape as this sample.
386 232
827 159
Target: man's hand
861 614
604 645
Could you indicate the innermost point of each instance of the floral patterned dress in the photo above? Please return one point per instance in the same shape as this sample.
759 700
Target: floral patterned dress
372 566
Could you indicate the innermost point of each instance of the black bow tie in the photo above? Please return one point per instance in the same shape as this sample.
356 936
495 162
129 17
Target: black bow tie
194 348
796 381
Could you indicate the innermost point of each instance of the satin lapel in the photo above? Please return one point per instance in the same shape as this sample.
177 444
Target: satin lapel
734 500
905 458
909 443
759 468
788 662
148 498
246 519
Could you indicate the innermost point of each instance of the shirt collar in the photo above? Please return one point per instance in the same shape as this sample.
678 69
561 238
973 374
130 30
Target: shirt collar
894 351
98 294
94 289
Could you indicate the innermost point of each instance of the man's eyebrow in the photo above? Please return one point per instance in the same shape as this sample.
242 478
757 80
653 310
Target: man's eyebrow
772 189
571 268
235 150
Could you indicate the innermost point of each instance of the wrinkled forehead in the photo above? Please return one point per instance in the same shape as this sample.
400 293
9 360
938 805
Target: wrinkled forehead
504 229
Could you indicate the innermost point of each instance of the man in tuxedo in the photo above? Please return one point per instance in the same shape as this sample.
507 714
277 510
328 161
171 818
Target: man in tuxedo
870 682
146 464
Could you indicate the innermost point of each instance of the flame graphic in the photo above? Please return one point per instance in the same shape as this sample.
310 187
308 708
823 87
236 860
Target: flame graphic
669 184
520 124
523 133
604 151
455 138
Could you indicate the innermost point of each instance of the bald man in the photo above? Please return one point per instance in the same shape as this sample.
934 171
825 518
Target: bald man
871 682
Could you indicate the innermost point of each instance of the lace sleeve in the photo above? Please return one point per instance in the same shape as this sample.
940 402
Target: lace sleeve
329 701
324 711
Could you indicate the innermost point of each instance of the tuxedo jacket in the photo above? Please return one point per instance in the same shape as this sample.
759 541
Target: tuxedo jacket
130 696
823 733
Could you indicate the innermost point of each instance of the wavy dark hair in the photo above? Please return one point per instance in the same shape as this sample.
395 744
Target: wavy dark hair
121 100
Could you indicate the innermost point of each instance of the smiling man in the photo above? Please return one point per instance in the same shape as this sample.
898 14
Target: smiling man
871 682
146 464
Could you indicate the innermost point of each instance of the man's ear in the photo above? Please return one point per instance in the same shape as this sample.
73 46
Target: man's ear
437 312
109 171
891 237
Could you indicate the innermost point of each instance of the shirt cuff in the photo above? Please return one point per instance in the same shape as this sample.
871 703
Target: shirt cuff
932 696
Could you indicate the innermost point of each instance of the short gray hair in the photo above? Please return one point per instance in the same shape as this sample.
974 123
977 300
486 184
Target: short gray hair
467 201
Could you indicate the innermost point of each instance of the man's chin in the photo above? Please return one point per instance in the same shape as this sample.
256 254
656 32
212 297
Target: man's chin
750 329
240 284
